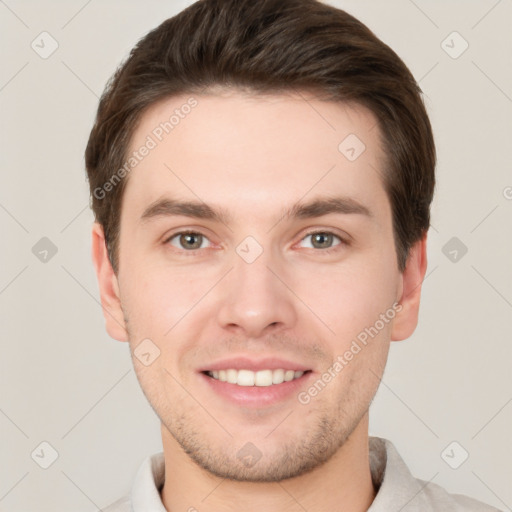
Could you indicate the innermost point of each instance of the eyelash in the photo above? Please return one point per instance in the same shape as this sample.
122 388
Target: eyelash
329 250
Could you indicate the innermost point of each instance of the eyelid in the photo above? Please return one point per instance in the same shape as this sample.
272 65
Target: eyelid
183 230
342 235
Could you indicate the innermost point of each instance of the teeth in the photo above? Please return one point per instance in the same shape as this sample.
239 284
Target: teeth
231 376
277 376
259 378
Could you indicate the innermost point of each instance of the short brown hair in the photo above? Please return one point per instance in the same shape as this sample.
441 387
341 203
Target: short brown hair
269 46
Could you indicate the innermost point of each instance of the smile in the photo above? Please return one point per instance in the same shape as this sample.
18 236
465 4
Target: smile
259 378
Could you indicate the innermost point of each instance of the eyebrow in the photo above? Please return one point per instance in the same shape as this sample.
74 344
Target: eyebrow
167 207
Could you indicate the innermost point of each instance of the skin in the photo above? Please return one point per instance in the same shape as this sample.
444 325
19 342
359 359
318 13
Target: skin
254 157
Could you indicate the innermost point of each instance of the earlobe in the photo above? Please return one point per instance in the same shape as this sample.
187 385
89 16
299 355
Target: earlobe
406 320
108 286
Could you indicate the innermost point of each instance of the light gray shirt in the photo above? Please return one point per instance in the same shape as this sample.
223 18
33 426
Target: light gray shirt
398 490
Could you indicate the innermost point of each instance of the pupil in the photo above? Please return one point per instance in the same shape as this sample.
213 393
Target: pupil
187 240
323 239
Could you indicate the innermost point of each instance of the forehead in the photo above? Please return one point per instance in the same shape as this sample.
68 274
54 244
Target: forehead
244 150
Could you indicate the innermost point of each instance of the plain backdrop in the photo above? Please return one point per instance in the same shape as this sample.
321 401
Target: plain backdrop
66 384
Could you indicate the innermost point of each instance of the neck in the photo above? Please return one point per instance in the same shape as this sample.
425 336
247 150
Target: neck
342 483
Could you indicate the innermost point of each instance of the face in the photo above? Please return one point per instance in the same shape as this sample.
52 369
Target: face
254 247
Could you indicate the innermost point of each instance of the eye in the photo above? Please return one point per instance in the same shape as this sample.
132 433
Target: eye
188 240
322 240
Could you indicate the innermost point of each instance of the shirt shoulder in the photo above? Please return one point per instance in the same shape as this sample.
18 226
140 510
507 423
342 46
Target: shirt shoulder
121 505
438 499
145 492
398 489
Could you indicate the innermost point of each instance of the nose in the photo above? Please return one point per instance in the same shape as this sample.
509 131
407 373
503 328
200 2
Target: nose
255 300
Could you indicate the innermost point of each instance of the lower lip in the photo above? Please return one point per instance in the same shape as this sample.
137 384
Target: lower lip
257 396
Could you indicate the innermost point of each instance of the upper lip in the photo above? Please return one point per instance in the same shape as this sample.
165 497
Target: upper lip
247 363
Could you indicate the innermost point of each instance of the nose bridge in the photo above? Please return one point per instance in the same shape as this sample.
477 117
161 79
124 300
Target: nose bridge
255 275
254 298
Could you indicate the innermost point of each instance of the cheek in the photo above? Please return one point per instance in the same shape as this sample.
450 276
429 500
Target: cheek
350 298
165 306
158 300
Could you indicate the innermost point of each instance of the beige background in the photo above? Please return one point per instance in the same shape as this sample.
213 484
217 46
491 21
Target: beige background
64 382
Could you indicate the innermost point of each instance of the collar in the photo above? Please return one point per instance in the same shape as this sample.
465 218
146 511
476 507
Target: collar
397 488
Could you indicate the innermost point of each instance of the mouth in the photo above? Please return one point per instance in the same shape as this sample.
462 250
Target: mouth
248 382
260 378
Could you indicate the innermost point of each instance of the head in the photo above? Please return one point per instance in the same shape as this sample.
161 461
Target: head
261 176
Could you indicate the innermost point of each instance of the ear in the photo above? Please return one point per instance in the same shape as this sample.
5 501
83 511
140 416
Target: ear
108 285
406 319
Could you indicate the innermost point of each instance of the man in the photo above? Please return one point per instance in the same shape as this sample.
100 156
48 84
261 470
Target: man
261 176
